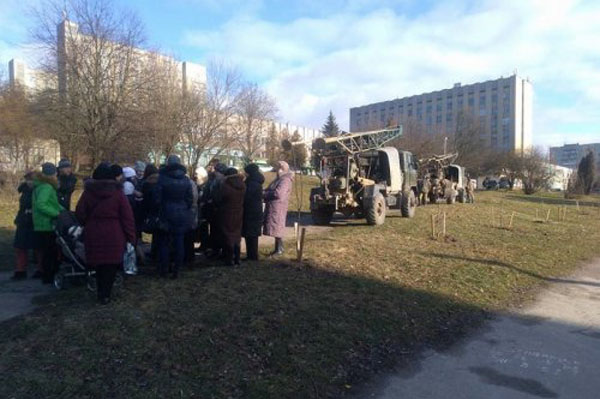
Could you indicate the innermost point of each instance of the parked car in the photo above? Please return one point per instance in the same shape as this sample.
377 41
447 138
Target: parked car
264 166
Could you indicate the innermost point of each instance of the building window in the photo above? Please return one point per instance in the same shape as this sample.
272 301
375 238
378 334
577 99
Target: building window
409 112
429 120
449 106
495 98
438 107
448 117
438 119
459 103
471 101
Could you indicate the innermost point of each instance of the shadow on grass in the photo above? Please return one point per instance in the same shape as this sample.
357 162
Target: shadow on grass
551 200
7 258
271 330
493 262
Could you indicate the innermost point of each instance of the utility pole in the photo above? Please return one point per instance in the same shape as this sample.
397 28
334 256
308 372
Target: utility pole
445 145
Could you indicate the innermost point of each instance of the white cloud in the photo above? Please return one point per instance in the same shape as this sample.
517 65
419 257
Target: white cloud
354 57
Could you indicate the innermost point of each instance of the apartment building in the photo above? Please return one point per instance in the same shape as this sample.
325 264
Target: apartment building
20 74
569 155
501 109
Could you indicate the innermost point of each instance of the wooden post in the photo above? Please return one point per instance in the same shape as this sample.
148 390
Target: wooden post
433 226
444 225
577 203
548 216
493 218
301 244
512 216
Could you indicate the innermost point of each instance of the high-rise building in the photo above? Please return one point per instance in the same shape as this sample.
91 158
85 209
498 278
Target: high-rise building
70 40
20 74
501 110
569 155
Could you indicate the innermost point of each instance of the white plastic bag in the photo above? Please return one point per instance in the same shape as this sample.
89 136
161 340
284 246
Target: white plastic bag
129 261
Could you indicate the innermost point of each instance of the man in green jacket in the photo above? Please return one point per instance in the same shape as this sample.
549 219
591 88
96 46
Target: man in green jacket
46 209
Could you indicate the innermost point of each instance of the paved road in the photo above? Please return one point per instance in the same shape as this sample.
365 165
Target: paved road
551 349
16 296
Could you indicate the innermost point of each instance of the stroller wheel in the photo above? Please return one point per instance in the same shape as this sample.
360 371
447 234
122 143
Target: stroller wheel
60 281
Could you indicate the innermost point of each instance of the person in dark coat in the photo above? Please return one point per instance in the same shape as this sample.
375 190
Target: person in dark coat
149 208
277 197
66 183
230 215
210 203
24 237
253 210
173 194
107 218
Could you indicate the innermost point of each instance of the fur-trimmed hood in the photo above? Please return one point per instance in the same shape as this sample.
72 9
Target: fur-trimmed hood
40 178
235 181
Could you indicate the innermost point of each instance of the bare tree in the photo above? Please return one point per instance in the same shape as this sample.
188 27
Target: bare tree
102 71
210 113
254 112
20 128
531 168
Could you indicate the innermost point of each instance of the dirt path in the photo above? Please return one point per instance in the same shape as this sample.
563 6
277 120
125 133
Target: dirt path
551 349
16 296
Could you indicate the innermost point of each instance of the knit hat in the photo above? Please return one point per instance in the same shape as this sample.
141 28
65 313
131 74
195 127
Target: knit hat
49 169
139 166
128 172
221 168
173 160
116 170
103 172
251 169
64 163
231 172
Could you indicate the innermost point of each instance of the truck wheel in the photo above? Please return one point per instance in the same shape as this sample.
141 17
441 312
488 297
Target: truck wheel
376 211
321 217
409 204
461 196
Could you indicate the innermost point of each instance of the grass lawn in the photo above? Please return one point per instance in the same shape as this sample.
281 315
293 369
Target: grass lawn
364 299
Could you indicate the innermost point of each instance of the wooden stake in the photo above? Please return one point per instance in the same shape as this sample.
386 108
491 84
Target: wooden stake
512 216
577 203
301 244
548 216
444 225
433 226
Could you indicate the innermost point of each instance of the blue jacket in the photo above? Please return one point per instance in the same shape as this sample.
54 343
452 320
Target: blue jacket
174 197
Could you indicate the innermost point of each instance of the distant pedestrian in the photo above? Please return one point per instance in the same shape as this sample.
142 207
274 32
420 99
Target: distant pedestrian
253 210
277 197
230 214
45 210
66 183
107 218
24 238
150 208
173 194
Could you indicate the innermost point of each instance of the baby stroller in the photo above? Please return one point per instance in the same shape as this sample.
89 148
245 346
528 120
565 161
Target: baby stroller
69 237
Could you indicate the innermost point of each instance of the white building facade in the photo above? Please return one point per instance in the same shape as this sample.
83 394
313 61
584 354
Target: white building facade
502 109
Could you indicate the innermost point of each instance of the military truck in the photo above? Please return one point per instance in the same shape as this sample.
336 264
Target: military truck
446 180
362 177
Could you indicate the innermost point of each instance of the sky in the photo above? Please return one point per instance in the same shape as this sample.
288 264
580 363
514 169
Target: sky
313 56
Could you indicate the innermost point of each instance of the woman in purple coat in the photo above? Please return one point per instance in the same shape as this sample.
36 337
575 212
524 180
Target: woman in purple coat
277 197
108 223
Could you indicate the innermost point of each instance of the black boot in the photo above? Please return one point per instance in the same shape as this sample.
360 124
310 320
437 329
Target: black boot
278 247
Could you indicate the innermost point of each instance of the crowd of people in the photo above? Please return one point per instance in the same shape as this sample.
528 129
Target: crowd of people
186 215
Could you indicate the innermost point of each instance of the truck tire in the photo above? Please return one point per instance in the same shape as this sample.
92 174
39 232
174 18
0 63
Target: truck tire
461 196
375 213
409 204
321 217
